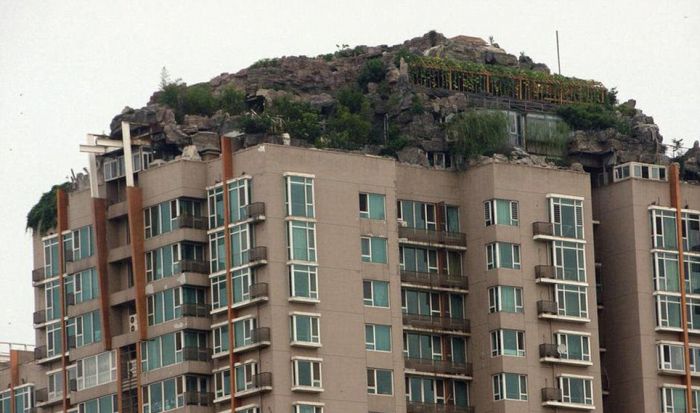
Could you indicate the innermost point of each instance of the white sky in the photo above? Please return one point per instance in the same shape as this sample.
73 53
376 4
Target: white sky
67 67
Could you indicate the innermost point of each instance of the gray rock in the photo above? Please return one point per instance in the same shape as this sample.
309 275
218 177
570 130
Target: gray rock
413 155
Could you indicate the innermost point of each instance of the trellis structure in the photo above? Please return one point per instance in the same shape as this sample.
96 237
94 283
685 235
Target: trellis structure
553 90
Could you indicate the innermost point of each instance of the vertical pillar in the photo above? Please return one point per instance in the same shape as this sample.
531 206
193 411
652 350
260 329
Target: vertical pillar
226 174
14 376
675 184
61 226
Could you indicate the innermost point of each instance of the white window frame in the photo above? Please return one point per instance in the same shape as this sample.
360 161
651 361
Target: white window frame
587 389
493 256
373 388
316 382
99 376
498 343
311 244
496 299
314 328
369 302
312 279
561 338
308 181
580 292
371 344
499 386
555 204
491 212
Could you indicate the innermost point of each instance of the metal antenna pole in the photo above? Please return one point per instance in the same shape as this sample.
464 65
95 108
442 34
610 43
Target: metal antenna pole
558 60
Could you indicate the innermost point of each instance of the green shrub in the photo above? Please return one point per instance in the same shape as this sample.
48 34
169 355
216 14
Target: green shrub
547 137
348 130
372 71
417 105
475 133
42 216
404 54
232 101
274 62
590 116
353 99
299 119
198 100
254 123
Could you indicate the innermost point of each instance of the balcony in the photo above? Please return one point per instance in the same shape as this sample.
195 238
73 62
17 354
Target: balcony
194 266
550 351
38 275
259 337
39 317
196 354
39 352
259 382
546 307
258 291
438 366
195 310
551 394
41 395
542 230
436 322
190 221
72 385
255 211
545 273
194 398
257 256
418 407
427 236
435 280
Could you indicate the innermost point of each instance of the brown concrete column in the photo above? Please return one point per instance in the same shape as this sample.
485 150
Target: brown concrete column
675 186
14 376
99 215
226 174
61 226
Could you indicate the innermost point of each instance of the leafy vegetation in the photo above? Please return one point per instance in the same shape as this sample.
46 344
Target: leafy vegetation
274 62
42 216
298 119
373 71
588 116
475 133
547 137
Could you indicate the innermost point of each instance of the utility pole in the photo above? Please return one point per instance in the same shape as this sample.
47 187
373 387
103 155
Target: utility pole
558 61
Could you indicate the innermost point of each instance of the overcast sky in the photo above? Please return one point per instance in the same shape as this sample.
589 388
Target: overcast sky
67 67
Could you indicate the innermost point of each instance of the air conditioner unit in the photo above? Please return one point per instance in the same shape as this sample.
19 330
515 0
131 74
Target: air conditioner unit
133 323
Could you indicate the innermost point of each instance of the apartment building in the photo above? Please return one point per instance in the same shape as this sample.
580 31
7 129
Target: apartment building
647 247
277 278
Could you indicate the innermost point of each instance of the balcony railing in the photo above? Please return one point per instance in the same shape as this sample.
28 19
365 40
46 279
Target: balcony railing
72 385
547 307
438 366
258 290
542 229
260 335
255 211
433 237
195 310
195 266
38 274
41 395
39 352
257 254
436 322
39 317
195 398
68 255
190 221
417 407
549 350
70 298
196 353
262 380
551 394
548 272
435 280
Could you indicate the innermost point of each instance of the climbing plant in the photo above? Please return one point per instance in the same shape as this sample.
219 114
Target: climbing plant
42 216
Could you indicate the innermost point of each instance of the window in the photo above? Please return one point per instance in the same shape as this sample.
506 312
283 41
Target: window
573 346
422 346
52 300
163 396
673 400
243 332
302 241
160 262
78 244
54 340
567 216
51 264
218 292
375 293
238 199
372 206
222 383
104 404
164 306
419 215
215 197
377 337
114 166
507 343
161 351
306 373
96 370
240 245
569 261
666 276
502 255
300 196
159 219
505 299
55 388
83 285
668 311
420 302
245 376
693 311
671 357
576 390
303 282
501 212
692 274
572 300
373 249
425 390
421 260
306 408
439 160
86 328
217 252
380 381
509 386
663 225
305 329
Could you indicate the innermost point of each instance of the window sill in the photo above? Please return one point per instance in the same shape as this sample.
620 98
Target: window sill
307 389
305 344
565 361
576 406
564 318
303 300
